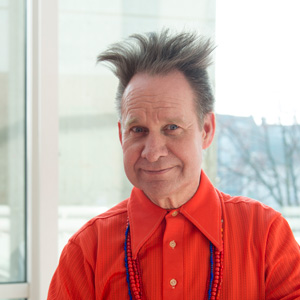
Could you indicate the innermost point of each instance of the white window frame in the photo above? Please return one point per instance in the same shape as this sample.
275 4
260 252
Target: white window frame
42 66
42 151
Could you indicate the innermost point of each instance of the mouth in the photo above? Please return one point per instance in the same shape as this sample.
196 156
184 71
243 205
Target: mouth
158 171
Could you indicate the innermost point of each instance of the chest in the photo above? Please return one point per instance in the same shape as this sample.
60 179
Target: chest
175 263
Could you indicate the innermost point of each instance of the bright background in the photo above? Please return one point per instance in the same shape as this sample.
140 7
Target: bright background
60 158
258 61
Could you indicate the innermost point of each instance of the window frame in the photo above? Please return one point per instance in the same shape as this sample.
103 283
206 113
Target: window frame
41 151
42 112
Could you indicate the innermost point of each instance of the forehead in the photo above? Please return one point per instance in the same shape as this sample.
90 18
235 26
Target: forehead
161 94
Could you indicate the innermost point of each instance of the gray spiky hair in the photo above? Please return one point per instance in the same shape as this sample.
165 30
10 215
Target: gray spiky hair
160 53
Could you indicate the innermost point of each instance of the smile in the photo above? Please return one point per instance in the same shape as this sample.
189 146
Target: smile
157 172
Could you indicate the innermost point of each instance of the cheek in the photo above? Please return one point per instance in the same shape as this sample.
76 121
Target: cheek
187 148
190 153
131 154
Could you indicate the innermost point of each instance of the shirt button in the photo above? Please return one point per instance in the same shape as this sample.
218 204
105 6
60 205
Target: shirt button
174 213
172 244
173 283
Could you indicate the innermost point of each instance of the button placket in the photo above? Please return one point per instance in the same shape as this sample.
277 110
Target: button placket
173 256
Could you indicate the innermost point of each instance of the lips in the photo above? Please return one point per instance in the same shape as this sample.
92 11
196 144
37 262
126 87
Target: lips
157 171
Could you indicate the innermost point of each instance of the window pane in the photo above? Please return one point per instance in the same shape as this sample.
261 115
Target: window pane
12 299
91 168
12 141
257 91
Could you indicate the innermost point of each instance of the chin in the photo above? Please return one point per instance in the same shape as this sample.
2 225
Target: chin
157 190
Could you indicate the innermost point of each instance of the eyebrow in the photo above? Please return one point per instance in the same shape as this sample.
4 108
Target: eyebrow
175 120
135 120
131 121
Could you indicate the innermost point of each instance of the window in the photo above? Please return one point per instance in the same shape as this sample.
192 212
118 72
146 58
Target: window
12 142
28 135
257 63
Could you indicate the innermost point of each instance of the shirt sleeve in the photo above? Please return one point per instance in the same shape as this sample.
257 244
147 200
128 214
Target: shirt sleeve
74 276
282 262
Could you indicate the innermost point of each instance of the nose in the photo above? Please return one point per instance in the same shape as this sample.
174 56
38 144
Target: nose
154 147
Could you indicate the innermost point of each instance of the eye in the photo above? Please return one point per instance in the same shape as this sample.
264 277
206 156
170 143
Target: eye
138 129
172 127
173 130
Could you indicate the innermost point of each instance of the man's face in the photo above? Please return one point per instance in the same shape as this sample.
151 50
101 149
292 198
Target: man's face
161 137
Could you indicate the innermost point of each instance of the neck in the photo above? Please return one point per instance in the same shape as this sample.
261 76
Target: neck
176 200
168 203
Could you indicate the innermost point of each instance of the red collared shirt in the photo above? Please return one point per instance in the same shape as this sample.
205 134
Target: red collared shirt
261 256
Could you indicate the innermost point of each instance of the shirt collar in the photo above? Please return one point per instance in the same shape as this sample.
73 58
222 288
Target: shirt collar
203 210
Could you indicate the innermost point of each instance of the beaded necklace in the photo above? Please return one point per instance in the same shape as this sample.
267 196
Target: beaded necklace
133 274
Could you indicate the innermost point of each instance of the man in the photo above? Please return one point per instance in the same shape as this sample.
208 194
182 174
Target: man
176 236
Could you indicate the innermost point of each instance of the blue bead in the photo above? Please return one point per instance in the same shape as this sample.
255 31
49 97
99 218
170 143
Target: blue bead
126 262
211 248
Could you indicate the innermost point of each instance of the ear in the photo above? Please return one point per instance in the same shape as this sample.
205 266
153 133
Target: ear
120 132
208 130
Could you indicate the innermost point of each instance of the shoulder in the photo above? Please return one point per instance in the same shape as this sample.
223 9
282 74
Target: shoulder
248 212
241 203
107 221
105 231
254 224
